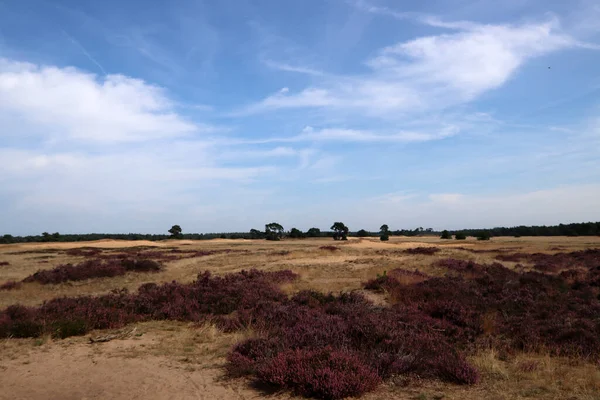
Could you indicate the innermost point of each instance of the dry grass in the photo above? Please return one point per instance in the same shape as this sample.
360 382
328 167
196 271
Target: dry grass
199 351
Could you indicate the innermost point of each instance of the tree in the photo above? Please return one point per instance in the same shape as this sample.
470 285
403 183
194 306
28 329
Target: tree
340 231
296 233
362 233
446 235
460 236
313 232
7 239
484 235
175 231
384 231
256 234
273 231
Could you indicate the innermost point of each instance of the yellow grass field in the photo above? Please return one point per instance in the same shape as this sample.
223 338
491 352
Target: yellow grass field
171 360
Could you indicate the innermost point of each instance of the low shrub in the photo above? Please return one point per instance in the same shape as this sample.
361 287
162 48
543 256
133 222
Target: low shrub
83 252
427 251
312 343
511 310
324 373
329 248
4 263
141 265
10 285
92 269
196 301
555 262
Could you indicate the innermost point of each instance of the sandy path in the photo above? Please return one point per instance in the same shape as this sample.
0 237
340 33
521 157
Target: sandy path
101 371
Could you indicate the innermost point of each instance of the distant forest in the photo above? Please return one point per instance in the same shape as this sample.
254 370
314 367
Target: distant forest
576 229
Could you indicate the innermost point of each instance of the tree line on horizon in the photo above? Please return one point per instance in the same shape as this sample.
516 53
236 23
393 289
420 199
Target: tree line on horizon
338 231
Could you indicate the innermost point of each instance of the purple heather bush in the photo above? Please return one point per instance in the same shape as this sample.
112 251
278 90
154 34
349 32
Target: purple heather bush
553 263
511 310
10 285
333 346
196 301
427 251
329 248
92 269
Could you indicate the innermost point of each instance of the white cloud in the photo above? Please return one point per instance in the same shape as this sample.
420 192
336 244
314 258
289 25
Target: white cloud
292 68
309 134
277 152
430 72
393 198
53 121
65 103
446 198
350 135
473 61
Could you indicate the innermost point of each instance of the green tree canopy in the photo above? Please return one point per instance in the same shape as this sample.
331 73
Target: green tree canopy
460 236
296 233
175 231
273 231
484 235
256 234
362 233
313 232
340 231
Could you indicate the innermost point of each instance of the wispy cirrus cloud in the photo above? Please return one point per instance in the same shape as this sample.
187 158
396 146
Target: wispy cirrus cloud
282 66
344 135
360 136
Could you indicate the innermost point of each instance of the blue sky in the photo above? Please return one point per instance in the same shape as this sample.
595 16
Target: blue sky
131 116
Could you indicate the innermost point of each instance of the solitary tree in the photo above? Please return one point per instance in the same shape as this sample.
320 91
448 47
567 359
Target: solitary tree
296 233
446 235
384 230
313 232
273 231
340 231
175 231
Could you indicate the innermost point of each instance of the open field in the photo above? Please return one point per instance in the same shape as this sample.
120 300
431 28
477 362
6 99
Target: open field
185 360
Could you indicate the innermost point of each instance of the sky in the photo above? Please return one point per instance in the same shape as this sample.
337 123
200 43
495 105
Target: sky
132 116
